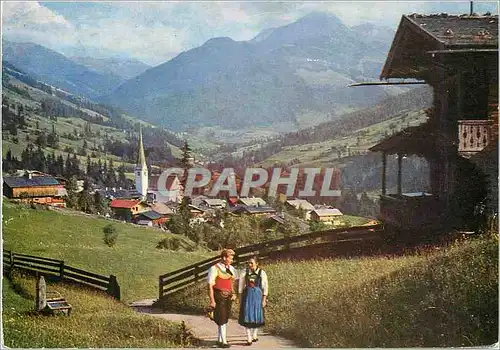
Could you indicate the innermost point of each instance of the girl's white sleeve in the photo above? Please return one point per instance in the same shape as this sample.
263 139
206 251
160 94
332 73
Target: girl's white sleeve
265 283
241 281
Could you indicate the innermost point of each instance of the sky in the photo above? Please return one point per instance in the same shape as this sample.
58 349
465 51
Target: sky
154 32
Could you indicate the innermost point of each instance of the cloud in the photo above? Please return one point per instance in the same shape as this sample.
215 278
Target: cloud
31 22
157 31
31 13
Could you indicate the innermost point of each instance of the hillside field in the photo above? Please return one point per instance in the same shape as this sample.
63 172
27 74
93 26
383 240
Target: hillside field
77 239
96 321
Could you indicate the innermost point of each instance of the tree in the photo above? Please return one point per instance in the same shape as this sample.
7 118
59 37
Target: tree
85 200
98 206
71 187
110 235
317 226
290 229
41 140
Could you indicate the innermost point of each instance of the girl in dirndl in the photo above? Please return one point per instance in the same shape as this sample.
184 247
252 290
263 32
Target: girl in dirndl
253 288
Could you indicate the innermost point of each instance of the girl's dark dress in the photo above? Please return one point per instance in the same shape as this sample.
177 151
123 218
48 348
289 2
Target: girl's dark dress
251 310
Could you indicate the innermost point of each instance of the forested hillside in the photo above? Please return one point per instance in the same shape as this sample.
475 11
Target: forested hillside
47 129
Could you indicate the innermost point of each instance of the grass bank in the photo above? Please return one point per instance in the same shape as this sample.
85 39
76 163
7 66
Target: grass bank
78 240
441 298
96 321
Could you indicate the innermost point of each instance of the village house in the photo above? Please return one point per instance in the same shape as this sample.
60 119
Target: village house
317 184
300 204
150 218
458 57
215 203
196 211
127 209
172 184
255 211
34 188
252 202
161 208
329 216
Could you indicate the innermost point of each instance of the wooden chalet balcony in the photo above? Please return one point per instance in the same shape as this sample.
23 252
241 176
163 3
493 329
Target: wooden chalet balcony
473 136
410 211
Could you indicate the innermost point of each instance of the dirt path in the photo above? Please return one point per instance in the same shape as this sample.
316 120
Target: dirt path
206 330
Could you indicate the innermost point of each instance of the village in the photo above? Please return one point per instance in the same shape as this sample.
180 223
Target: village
147 205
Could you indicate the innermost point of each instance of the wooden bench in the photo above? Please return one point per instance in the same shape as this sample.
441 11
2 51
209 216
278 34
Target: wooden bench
56 302
50 302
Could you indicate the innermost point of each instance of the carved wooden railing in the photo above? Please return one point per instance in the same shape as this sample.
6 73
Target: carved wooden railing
473 135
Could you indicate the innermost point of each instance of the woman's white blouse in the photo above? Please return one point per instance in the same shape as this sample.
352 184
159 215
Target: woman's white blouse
264 282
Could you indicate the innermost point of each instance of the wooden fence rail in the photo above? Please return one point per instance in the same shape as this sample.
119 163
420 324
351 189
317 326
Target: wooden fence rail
58 270
177 280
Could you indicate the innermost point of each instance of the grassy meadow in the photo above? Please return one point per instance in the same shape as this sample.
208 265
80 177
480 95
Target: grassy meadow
96 321
443 297
77 239
324 153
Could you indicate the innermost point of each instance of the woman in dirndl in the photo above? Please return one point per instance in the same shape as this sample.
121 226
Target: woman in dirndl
253 288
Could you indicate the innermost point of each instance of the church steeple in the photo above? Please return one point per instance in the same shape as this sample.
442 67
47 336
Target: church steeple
141 170
141 158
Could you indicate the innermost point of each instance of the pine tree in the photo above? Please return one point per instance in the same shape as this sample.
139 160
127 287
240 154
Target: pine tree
122 179
98 206
187 158
71 187
89 166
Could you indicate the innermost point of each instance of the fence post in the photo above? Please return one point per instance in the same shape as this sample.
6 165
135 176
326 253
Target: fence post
113 287
160 287
11 259
61 270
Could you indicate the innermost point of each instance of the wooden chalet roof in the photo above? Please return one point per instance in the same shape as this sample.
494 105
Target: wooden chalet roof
300 203
24 181
466 31
254 210
418 140
150 215
420 37
327 212
124 203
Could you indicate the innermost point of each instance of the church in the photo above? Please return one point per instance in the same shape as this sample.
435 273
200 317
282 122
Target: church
147 185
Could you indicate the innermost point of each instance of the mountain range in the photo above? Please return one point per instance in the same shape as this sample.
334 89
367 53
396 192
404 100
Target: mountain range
279 76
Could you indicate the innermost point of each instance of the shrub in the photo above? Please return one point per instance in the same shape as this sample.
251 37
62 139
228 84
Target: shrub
170 243
110 235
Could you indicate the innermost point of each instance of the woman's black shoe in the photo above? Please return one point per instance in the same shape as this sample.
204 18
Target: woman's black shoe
226 345
255 340
248 343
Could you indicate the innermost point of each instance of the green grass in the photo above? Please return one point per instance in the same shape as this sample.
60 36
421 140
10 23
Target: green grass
441 298
78 240
96 321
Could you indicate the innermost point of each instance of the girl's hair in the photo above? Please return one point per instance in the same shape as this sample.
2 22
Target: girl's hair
254 257
226 252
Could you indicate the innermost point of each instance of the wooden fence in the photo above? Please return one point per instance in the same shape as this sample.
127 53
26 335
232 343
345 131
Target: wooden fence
57 270
177 280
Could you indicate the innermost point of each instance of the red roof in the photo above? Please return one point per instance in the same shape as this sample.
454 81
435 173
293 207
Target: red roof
124 203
